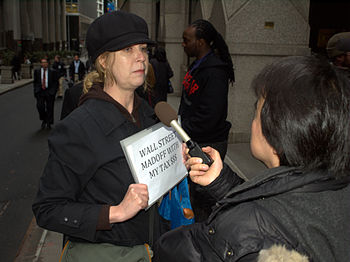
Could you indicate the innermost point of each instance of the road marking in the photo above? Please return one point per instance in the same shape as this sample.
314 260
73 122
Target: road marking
40 246
4 207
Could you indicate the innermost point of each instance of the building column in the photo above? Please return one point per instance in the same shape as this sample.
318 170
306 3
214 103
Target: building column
52 22
172 22
35 15
45 23
11 23
15 14
63 24
58 24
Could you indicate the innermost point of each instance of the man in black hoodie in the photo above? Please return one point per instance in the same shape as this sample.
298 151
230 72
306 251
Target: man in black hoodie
203 107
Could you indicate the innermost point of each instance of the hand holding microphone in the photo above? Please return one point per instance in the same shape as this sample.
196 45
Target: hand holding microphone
168 117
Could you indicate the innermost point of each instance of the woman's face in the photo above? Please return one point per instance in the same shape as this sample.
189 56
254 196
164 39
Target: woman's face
130 66
259 146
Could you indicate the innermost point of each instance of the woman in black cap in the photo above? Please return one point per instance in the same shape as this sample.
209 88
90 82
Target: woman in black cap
87 191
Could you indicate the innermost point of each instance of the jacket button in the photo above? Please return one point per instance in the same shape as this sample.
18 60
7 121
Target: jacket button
75 221
229 253
211 231
65 219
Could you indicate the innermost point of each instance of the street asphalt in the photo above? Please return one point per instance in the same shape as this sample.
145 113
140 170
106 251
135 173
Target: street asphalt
45 246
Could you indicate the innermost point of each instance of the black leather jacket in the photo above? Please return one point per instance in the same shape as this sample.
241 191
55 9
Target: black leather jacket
281 206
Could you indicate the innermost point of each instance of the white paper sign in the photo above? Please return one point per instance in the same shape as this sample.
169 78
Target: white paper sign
154 156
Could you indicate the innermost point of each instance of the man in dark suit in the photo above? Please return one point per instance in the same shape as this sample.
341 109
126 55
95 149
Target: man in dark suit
76 69
45 88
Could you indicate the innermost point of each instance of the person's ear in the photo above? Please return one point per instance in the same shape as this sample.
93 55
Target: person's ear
201 42
274 152
102 60
275 160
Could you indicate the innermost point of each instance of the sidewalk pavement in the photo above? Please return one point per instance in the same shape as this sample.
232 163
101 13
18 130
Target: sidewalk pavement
17 84
41 245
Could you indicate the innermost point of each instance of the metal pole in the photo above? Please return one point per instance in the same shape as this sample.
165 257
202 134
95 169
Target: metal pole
68 32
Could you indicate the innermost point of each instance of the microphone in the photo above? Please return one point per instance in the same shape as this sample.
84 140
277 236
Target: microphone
168 117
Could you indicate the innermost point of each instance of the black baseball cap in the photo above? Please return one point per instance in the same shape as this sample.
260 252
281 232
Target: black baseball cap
114 31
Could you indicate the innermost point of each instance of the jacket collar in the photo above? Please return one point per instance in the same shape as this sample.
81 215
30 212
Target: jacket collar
277 181
210 60
108 116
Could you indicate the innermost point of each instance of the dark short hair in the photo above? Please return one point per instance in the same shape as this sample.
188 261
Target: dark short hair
306 113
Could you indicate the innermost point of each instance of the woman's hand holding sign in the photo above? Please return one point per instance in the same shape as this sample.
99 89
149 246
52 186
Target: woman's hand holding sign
135 199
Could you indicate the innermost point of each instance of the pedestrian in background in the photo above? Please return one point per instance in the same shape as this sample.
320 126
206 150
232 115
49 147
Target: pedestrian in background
163 73
76 69
338 50
87 191
26 60
301 133
61 72
16 67
204 101
71 99
45 88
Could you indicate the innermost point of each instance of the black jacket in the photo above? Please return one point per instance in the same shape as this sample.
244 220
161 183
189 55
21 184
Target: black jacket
163 73
81 70
87 169
203 106
304 211
60 68
71 99
52 82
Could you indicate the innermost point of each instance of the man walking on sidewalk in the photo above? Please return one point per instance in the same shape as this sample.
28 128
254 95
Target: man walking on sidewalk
76 69
45 88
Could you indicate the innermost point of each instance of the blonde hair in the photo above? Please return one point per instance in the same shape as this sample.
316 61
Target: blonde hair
100 74
150 80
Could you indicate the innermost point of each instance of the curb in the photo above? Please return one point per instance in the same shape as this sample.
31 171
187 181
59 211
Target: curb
32 240
4 88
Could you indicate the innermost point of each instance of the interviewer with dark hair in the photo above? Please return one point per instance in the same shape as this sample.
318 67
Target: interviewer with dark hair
301 132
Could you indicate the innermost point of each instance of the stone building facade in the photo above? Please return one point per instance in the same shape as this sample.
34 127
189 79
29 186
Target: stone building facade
256 31
32 24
